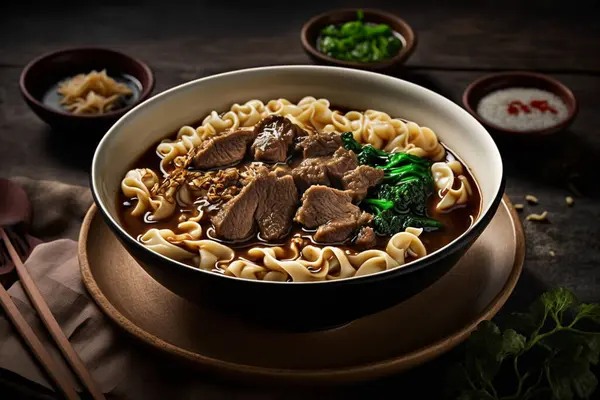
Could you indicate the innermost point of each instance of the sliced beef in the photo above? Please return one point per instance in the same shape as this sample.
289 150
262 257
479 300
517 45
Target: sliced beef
318 145
366 238
267 200
338 231
325 170
276 207
235 221
225 149
322 204
307 175
359 180
342 161
330 211
274 137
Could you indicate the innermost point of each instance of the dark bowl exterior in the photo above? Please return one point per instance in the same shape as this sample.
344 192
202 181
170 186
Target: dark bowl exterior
299 307
311 30
43 72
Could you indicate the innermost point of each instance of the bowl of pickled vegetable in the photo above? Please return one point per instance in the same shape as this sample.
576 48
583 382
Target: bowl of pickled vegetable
357 38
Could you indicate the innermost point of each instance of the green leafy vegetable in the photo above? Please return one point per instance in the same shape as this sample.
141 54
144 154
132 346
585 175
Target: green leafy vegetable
542 354
369 155
401 200
390 222
359 41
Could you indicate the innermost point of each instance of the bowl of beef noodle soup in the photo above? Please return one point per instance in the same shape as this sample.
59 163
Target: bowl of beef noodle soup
297 197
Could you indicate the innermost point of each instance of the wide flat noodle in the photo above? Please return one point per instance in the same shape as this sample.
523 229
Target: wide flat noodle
310 263
371 127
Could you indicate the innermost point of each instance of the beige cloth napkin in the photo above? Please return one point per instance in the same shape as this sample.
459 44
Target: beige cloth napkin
58 208
123 368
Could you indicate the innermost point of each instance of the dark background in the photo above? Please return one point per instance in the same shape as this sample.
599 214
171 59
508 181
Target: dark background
458 42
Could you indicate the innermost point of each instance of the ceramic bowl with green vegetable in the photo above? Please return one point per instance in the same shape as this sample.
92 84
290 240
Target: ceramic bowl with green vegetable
364 39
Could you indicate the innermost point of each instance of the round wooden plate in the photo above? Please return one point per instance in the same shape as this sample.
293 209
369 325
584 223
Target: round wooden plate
399 338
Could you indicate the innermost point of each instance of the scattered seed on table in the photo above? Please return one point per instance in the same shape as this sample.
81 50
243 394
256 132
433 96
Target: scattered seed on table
531 199
552 253
538 217
519 207
569 201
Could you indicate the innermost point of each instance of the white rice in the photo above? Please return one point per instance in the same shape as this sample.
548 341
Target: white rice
493 108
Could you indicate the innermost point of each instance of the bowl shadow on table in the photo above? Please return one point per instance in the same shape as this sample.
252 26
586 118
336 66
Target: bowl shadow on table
74 149
563 160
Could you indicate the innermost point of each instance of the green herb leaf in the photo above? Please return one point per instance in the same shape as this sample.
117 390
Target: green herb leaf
485 352
526 323
512 342
589 311
354 28
566 370
360 15
330 30
328 44
592 350
558 301
380 30
540 357
359 41
585 384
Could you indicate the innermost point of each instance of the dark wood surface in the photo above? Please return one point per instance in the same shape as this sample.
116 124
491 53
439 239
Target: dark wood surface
457 44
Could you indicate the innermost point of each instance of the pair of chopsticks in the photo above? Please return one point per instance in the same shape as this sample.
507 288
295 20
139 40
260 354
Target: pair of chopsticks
61 380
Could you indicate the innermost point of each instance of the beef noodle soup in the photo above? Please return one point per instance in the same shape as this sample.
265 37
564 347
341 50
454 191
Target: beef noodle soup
298 192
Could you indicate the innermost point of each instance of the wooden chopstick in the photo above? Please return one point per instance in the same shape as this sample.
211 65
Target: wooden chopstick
63 382
49 321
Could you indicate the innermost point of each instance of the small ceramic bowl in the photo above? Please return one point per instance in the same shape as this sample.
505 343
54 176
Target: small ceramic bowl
485 85
312 29
41 76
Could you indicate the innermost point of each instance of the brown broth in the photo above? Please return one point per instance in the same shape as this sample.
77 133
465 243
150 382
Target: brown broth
455 221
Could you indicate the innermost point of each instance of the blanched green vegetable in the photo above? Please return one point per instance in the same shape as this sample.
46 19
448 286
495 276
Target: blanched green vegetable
401 200
402 205
359 41
369 155
390 223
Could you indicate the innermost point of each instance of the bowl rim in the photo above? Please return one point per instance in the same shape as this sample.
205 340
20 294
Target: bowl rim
457 244
405 52
492 77
145 93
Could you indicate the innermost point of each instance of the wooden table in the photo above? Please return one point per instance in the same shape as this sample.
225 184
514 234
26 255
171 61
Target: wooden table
457 44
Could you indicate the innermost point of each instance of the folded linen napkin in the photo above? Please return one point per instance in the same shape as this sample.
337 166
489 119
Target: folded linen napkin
123 368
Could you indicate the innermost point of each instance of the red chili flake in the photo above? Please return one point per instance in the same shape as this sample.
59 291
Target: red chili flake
543 106
516 106
512 109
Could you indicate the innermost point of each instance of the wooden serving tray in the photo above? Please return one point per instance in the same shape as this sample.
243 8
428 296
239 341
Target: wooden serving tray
399 338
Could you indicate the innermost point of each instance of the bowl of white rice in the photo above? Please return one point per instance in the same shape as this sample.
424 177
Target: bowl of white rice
521 103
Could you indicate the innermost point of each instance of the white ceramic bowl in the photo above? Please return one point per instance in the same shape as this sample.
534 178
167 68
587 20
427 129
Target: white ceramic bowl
165 113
